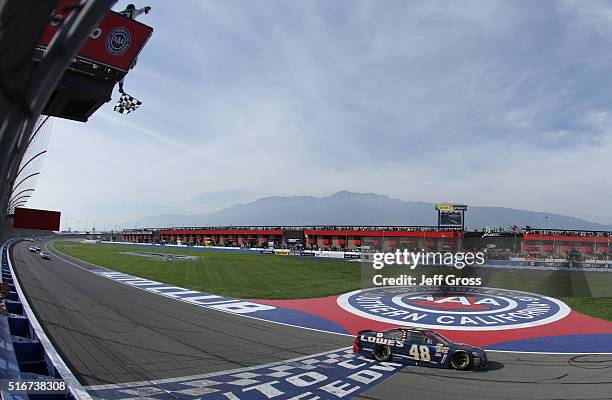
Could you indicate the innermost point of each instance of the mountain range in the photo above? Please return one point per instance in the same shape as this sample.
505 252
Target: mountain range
349 208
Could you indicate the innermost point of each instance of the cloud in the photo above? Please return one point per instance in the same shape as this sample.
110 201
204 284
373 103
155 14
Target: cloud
489 103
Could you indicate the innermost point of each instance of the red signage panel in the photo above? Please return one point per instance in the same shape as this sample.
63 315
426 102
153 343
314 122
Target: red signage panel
376 233
30 218
221 232
116 42
568 238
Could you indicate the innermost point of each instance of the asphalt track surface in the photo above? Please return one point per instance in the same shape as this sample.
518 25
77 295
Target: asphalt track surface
108 332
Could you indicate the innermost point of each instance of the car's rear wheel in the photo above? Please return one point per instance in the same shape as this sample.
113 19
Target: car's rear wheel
460 361
382 353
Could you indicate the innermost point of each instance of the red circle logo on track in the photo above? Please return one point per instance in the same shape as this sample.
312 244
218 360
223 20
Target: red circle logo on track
462 308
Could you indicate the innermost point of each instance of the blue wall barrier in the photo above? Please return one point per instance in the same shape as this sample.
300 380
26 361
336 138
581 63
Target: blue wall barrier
23 357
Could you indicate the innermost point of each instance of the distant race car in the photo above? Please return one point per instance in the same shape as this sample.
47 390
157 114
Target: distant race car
419 346
44 255
32 249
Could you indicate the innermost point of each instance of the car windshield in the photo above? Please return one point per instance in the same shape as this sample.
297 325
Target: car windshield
395 334
436 337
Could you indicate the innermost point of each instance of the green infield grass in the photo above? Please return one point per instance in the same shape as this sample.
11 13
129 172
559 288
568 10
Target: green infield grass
257 276
264 276
600 307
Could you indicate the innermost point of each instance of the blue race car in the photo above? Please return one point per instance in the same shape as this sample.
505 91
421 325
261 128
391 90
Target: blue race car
419 346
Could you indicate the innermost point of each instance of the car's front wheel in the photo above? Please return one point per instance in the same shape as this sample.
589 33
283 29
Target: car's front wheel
460 361
382 353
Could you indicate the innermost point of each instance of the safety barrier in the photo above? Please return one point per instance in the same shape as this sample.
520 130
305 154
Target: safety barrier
26 353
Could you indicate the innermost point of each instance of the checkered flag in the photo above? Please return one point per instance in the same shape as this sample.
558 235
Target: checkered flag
127 104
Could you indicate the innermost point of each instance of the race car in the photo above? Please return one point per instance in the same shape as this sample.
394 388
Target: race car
419 346
44 255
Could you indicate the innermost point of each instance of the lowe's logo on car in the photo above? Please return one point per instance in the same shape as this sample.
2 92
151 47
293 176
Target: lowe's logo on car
461 308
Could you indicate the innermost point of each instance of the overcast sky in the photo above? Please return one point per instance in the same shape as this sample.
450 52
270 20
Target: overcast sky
502 103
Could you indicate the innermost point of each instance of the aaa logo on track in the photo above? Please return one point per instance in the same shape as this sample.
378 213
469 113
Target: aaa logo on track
462 308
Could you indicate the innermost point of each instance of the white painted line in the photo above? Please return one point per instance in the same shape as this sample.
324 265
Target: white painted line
73 384
545 352
155 289
144 283
129 279
205 297
176 294
208 303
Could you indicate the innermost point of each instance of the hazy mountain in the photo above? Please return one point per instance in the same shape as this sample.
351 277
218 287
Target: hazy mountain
347 208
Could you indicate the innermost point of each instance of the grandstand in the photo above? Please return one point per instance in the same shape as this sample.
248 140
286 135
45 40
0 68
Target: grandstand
504 243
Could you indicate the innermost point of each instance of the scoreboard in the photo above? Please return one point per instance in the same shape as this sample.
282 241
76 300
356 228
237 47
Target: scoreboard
451 215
